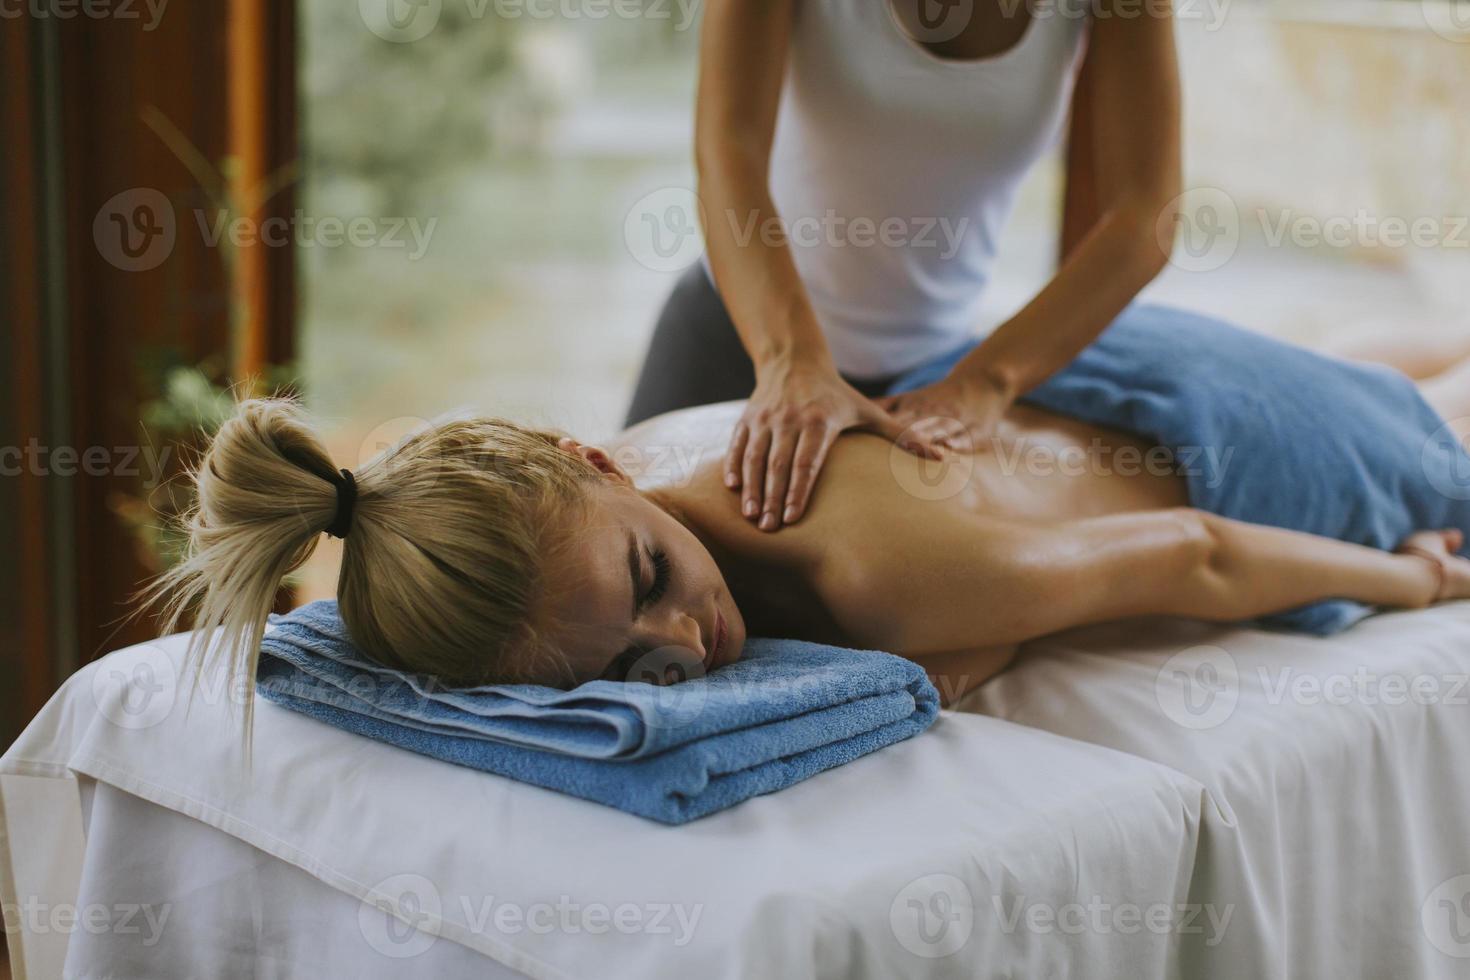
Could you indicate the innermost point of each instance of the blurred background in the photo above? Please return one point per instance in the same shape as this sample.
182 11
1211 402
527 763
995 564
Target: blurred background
400 209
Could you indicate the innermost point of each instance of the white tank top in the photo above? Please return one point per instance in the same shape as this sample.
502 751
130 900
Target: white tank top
894 171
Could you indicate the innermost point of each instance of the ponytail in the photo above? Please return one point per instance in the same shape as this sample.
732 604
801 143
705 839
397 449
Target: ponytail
266 489
444 538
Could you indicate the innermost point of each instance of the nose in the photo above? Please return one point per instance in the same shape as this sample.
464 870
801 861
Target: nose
689 635
677 652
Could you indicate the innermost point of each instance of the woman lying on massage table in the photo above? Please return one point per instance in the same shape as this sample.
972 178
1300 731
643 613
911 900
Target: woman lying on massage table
481 551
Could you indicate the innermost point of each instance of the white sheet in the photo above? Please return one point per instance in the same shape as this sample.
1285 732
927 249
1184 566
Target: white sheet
192 901
1344 765
981 848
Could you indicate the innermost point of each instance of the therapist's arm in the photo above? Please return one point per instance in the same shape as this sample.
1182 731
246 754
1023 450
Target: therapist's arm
1133 72
800 403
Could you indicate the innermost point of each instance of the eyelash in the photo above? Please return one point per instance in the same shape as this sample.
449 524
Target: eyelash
660 579
618 669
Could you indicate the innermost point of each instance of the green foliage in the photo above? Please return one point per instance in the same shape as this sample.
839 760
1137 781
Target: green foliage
192 401
394 114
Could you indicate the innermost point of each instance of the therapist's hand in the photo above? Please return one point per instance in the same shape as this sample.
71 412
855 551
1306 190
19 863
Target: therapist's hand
781 441
958 412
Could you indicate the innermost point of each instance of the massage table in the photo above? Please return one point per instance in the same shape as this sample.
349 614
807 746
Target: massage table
1343 766
1087 814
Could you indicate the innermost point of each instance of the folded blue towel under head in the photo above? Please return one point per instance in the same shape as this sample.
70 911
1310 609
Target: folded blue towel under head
785 712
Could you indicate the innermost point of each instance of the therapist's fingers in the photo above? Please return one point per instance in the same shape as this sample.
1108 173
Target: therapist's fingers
932 425
910 438
811 454
778 475
735 455
753 471
954 434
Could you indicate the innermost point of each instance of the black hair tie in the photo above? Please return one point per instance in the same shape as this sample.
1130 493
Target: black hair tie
346 486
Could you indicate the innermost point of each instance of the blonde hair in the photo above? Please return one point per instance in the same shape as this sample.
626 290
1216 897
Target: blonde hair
440 568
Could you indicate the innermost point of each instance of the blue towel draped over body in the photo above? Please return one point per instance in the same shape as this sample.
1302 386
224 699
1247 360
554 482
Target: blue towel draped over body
1267 432
785 712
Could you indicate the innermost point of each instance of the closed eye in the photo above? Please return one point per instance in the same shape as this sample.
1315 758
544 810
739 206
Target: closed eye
660 585
620 666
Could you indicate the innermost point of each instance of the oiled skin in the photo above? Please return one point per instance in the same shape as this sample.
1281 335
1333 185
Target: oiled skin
1053 524
884 511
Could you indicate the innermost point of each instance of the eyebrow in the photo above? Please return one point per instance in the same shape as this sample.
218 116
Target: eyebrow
635 570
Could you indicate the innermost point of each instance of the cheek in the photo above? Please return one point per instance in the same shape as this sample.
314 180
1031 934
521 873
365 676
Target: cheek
706 577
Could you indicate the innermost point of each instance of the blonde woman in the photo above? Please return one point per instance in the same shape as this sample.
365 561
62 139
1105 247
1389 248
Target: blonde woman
482 551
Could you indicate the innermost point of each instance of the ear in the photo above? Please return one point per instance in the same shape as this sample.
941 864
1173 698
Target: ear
597 458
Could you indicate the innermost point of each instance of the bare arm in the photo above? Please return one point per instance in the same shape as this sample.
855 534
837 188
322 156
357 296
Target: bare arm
1133 80
944 585
742 63
800 404
1135 97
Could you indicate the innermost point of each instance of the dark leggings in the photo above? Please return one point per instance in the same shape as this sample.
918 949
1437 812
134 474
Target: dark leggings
696 357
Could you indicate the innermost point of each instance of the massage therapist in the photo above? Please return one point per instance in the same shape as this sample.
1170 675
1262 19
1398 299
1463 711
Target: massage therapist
903 128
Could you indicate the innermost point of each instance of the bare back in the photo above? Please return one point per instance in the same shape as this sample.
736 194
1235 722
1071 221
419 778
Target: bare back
1040 469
